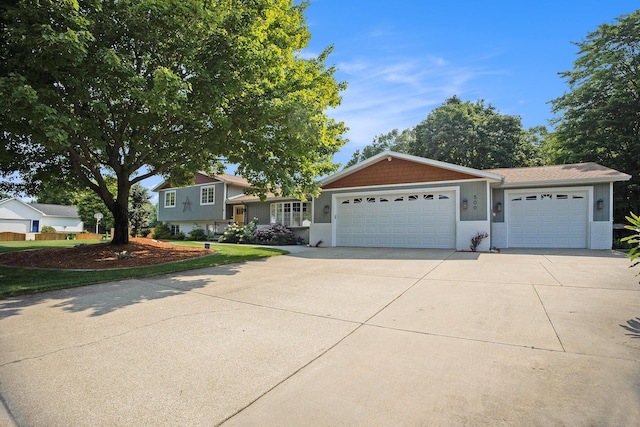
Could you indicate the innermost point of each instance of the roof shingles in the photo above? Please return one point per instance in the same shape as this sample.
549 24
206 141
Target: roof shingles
560 173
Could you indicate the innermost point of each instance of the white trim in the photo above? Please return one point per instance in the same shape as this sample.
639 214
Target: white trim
429 184
203 187
224 202
334 204
420 160
175 199
611 203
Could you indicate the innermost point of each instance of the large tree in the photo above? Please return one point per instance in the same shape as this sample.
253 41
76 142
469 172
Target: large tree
475 135
394 141
465 133
136 88
599 117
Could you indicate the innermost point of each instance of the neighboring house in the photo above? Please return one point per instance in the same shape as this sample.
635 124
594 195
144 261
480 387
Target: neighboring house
399 200
20 217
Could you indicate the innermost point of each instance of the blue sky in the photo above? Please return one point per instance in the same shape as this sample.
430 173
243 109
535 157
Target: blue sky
403 58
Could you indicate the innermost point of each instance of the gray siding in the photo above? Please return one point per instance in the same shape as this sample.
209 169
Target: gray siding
323 200
476 195
497 194
193 211
260 210
601 192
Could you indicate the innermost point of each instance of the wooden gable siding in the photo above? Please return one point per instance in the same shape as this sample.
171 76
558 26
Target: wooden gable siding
396 171
204 179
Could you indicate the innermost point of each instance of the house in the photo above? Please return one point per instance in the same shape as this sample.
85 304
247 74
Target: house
399 200
20 217
204 205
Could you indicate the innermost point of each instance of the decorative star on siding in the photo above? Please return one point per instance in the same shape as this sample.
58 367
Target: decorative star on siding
187 205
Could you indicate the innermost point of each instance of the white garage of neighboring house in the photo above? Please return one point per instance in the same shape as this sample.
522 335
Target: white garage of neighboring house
398 200
20 217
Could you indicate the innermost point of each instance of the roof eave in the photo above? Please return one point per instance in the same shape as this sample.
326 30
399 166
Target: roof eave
565 182
422 160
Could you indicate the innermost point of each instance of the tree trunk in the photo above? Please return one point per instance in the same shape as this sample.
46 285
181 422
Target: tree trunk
120 213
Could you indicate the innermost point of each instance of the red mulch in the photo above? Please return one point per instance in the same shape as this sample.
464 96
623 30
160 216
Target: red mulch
103 255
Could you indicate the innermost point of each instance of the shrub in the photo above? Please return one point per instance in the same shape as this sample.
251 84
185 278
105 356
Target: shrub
197 234
48 229
238 233
477 239
275 234
162 232
633 239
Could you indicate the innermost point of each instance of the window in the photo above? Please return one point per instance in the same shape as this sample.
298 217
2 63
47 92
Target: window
357 200
442 197
371 199
175 229
346 202
531 198
428 196
413 197
382 199
399 199
170 199
562 197
291 214
207 195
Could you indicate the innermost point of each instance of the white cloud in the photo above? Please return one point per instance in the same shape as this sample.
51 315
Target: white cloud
396 93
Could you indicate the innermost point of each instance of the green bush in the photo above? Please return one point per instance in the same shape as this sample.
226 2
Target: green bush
238 233
162 232
634 239
275 234
48 229
197 234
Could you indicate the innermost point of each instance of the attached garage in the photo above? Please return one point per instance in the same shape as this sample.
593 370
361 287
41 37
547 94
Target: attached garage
548 219
416 219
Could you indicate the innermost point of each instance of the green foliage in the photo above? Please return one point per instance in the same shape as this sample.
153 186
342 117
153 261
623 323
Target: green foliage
140 209
48 229
197 234
392 141
162 232
468 134
89 203
598 117
473 135
135 89
239 233
275 234
634 239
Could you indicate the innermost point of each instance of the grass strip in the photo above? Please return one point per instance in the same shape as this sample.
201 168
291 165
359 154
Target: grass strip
18 281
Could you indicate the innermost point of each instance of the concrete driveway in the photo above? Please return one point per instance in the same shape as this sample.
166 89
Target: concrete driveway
328 337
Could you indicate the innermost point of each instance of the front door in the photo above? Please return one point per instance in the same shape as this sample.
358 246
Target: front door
35 226
238 214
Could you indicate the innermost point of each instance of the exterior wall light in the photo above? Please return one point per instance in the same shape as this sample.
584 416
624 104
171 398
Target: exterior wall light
600 204
326 210
464 204
499 207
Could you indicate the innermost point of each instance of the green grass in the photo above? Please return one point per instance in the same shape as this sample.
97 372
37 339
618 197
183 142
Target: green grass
18 281
41 244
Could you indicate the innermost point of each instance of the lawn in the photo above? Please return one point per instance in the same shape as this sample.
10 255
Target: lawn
18 281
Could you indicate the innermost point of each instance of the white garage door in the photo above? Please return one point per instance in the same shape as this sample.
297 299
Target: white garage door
15 225
425 219
548 219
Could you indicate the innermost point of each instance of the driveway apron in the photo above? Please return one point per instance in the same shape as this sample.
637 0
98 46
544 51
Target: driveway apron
338 336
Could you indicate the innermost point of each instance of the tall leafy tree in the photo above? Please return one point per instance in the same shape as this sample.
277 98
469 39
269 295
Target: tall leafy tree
136 88
599 117
475 135
394 141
